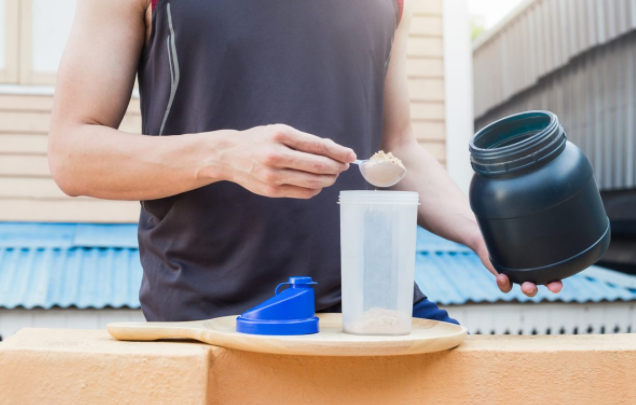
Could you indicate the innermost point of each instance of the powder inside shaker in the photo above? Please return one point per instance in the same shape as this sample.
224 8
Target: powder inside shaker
380 321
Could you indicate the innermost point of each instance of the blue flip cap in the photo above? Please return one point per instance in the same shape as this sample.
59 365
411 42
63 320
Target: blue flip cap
289 312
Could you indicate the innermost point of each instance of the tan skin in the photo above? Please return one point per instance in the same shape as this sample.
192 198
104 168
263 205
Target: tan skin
89 156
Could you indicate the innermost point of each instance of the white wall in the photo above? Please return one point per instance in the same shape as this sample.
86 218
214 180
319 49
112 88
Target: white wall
3 33
459 91
52 21
13 320
544 318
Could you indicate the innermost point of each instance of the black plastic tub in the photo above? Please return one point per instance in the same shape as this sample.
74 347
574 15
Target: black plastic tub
536 199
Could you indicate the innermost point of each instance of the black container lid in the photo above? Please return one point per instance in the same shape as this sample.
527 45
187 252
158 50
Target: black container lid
517 142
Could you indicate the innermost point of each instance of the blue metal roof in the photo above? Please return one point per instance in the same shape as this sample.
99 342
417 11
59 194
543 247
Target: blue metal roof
97 266
69 265
41 235
449 274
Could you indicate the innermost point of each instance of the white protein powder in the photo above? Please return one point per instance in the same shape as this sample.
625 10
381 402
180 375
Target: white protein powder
383 169
381 157
382 174
379 321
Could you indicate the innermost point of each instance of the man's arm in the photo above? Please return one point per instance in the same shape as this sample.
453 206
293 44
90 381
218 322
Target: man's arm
89 156
444 209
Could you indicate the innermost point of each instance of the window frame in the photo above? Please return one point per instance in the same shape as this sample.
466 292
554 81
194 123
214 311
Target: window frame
10 74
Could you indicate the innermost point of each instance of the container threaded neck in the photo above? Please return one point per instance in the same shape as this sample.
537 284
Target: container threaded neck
517 142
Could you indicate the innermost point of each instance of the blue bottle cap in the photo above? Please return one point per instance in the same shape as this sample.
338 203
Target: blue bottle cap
289 312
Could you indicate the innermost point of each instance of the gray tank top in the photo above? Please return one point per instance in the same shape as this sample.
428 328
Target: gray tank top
316 65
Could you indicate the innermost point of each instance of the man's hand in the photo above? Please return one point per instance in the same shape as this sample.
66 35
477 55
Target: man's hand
503 282
89 156
280 161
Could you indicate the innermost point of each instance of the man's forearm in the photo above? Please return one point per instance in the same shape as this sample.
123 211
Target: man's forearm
101 162
444 209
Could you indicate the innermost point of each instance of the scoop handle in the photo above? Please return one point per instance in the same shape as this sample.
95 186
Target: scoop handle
358 162
149 331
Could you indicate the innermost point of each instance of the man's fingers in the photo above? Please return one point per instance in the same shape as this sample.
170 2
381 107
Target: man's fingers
287 191
306 162
555 286
315 145
503 282
307 180
529 289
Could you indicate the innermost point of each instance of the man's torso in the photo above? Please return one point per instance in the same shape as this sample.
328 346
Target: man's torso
318 66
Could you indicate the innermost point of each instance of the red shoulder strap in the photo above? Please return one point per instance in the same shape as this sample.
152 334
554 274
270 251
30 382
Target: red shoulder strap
154 3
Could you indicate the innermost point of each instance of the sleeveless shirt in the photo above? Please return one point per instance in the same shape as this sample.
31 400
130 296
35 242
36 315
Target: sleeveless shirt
316 65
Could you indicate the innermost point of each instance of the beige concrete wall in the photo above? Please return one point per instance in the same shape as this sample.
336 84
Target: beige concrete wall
84 367
426 76
27 191
44 366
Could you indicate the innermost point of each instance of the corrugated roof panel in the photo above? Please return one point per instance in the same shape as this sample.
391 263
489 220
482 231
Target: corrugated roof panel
594 97
65 271
69 277
106 235
557 32
451 278
40 235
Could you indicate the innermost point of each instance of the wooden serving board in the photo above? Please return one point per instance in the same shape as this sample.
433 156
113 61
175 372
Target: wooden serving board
427 337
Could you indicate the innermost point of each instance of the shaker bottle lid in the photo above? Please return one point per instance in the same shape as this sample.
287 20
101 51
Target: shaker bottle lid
291 311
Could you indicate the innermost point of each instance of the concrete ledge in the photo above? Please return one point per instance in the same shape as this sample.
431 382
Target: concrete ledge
46 366
50 366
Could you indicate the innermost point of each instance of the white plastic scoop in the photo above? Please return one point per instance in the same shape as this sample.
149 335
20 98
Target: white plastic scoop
381 174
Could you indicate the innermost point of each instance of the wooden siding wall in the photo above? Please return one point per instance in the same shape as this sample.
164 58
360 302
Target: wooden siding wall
28 193
426 76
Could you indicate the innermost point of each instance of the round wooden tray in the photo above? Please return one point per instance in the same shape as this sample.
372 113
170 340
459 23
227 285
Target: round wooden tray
427 337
